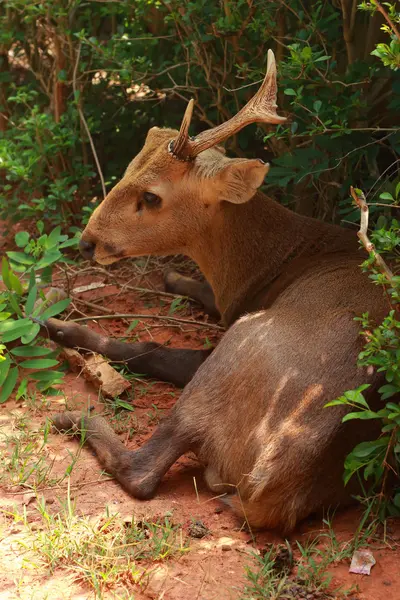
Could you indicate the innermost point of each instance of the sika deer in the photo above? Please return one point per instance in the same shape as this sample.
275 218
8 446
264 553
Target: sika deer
288 287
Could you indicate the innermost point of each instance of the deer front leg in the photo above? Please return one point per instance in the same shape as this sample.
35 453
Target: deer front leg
175 365
139 471
200 291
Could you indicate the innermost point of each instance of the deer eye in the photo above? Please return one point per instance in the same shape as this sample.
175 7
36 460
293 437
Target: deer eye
151 200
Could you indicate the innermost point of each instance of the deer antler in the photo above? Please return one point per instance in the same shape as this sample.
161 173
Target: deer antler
260 109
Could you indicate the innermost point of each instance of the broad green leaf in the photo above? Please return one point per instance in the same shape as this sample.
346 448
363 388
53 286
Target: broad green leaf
21 257
19 329
387 391
31 351
15 284
15 305
39 363
9 384
386 196
21 238
55 309
47 375
4 369
367 448
48 259
289 92
31 333
362 415
53 237
317 106
5 272
10 325
68 243
30 301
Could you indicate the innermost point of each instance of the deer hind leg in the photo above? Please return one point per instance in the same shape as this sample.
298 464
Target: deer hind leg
200 291
138 471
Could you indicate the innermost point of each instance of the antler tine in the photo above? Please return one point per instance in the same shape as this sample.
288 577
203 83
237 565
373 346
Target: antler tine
179 146
260 109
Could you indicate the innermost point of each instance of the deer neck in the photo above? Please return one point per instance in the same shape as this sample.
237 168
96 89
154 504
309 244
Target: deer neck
247 246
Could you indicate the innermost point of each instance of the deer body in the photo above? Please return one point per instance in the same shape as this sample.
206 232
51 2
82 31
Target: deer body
288 287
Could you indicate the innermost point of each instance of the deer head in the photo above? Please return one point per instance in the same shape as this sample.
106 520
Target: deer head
176 185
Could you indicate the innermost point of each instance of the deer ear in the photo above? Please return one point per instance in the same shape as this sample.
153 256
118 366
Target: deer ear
240 178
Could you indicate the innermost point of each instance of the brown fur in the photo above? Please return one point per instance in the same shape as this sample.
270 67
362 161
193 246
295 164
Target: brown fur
254 410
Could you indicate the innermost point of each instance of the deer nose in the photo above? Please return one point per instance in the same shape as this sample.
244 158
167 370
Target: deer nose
87 249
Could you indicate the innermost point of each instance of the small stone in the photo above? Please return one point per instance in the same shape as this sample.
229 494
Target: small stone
197 529
226 547
387 582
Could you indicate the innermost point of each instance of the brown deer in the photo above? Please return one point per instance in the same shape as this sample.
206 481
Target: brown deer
288 288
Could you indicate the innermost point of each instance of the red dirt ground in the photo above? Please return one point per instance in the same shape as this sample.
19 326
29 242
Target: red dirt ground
210 571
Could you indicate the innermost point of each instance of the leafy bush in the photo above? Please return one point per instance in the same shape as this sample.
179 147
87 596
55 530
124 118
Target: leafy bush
24 273
77 77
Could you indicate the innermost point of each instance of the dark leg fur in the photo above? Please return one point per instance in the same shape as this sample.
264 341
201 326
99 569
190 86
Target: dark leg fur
200 291
140 471
174 365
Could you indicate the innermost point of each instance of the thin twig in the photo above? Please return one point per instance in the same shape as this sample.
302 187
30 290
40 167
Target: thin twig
160 317
388 19
359 199
82 117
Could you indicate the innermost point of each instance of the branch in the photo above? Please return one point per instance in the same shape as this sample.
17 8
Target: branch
149 316
359 199
388 19
82 118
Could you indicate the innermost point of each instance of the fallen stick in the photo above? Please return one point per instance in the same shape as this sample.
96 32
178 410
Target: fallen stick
159 317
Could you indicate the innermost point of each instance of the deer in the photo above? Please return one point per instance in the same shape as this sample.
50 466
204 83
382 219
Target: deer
287 288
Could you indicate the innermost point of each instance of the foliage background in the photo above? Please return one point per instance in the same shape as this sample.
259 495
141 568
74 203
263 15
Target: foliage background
127 65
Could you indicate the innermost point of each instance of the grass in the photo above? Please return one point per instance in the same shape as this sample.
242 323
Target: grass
103 553
24 457
302 572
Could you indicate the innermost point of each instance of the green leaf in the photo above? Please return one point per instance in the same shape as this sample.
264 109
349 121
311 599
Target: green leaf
363 415
22 389
21 238
367 448
4 368
387 391
15 305
48 259
68 243
386 196
9 385
51 376
19 329
39 363
22 258
31 351
122 404
31 333
53 237
132 325
10 325
15 284
5 272
289 92
317 106
31 300
55 309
